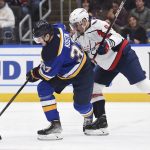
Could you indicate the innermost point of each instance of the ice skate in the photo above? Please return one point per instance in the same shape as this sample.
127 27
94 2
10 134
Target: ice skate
98 127
53 132
87 121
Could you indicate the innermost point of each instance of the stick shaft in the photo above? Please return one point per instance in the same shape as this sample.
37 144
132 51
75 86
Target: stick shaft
112 23
12 99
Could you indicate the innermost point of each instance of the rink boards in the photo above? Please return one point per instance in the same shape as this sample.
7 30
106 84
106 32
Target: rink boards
16 60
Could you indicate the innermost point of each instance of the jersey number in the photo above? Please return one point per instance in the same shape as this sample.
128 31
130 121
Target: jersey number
76 52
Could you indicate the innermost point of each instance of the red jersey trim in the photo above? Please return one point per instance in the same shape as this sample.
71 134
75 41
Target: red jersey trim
101 33
118 56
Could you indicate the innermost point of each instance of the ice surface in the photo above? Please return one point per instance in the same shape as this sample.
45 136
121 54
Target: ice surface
129 127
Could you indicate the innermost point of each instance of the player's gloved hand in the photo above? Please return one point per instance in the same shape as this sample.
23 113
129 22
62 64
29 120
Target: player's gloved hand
33 75
103 49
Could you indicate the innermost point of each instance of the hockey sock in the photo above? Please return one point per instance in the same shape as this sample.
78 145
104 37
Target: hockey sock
99 108
50 108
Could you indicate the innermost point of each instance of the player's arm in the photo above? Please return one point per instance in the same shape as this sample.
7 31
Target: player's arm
113 39
45 71
50 69
33 74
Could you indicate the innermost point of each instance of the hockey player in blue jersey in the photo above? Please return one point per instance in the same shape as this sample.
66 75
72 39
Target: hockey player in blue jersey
63 63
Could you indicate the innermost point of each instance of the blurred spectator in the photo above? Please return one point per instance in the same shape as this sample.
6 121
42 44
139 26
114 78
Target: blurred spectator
21 8
7 21
27 7
34 8
86 6
134 32
101 4
22 4
24 7
142 13
99 8
129 4
7 18
122 18
79 2
147 3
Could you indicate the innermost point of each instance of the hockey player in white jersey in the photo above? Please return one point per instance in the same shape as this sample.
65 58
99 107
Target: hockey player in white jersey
114 56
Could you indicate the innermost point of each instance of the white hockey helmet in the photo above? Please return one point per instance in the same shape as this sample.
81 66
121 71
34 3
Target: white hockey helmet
78 15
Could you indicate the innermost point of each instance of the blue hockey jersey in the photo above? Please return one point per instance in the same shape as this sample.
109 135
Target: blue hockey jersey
61 57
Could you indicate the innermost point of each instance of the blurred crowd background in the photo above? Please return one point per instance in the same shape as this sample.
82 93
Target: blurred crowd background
17 17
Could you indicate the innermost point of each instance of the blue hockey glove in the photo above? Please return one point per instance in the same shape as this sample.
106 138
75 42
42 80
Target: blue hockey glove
103 49
33 75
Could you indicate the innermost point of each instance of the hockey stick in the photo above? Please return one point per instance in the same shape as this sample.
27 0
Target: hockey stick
12 99
112 23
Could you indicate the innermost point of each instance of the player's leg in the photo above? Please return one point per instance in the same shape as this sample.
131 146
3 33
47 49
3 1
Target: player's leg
98 99
144 86
102 78
131 68
45 92
82 98
100 124
83 88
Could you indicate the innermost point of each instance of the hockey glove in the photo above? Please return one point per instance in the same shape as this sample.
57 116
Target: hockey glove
103 49
33 75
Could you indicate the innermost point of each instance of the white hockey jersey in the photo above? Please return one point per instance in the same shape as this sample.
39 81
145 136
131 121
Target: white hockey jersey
93 36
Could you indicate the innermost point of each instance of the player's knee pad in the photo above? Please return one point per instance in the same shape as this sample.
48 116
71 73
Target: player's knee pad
44 89
84 110
48 101
97 92
144 85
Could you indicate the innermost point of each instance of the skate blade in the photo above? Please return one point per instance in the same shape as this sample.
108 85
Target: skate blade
97 132
50 137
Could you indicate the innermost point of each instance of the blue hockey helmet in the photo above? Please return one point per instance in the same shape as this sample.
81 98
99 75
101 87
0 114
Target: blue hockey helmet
42 27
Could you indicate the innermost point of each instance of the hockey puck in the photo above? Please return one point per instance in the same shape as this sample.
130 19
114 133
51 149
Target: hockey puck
0 137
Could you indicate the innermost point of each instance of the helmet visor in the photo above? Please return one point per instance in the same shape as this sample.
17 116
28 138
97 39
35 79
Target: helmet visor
37 40
74 26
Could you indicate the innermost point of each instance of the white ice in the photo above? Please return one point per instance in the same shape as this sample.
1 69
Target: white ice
129 127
